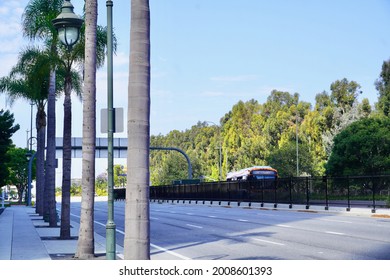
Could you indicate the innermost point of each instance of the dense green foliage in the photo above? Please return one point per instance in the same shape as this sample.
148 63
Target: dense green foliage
18 170
383 87
7 129
263 134
362 148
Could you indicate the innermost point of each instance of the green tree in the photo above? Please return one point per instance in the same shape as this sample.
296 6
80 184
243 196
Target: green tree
310 133
362 148
29 80
258 134
278 114
325 108
339 109
243 136
119 175
173 166
344 93
101 184
37 24
18 171
7 129
137 223
383 86
284 159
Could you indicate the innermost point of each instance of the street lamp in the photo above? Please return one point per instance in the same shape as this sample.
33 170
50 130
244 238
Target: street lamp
110 225
68 25
30 157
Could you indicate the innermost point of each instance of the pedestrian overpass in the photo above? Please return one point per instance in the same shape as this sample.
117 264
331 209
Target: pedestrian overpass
119 149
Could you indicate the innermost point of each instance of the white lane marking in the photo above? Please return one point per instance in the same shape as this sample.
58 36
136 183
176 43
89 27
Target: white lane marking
151 244
266 241
99 223
242 220
194 226
170 252
264 214
285 226
162 249
212 216
335 233
336 221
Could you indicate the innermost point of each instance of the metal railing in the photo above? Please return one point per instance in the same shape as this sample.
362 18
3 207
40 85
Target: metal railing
348 192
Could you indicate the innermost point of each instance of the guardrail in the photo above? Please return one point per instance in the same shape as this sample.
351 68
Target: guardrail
351 191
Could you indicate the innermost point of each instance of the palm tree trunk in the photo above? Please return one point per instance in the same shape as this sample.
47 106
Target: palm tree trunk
137 225
86 242
40 168
67 161
50 171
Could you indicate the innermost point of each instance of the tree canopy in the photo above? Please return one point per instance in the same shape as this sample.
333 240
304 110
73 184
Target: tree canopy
7 129
18 171
361 148
383 86
252 133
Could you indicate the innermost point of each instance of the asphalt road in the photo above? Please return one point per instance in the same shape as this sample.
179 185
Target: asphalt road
204 232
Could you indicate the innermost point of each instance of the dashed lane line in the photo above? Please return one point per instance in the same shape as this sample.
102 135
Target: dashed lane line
194 226
267 241
334 232
151 245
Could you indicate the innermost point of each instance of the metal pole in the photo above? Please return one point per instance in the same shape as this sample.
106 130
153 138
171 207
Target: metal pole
290 190
31 126
220 159
297 142
3 197
307 194
373 196
110 226
325 178
348 194
29 179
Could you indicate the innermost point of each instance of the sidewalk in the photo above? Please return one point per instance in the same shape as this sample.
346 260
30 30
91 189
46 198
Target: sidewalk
26 236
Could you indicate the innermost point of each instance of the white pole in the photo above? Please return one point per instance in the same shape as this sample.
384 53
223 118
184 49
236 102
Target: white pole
3 195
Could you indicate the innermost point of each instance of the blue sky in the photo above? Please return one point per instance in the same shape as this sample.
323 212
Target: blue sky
209 54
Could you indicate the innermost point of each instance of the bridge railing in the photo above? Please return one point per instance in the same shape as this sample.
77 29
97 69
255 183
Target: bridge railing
348 192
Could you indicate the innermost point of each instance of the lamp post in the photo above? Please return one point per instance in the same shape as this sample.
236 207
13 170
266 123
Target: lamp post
68 25
31 104
110 225
30 157
30 142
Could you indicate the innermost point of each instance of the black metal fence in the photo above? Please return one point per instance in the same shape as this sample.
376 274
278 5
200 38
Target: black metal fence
348 192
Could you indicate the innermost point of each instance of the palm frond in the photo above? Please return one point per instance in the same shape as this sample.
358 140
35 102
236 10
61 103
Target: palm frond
37 18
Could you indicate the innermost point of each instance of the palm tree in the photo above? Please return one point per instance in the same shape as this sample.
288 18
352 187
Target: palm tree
137 225
82 53
29 79
72 81
37 24
86 241
44 11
